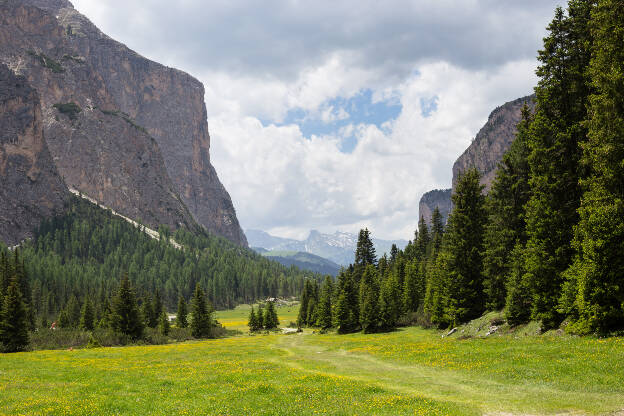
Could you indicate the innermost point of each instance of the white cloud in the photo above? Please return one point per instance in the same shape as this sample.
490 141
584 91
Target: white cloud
286 183
260 59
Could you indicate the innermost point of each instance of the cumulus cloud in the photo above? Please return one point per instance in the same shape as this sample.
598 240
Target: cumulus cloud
448 64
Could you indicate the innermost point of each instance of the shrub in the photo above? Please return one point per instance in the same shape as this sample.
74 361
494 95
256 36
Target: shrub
70 109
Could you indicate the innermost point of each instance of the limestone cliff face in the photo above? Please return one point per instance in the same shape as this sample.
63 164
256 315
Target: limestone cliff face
440 198
484 153
137 139
30 186
492 141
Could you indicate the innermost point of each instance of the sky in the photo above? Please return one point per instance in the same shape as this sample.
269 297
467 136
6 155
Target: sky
336 115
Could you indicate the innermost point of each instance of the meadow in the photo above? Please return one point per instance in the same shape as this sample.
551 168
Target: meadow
409 371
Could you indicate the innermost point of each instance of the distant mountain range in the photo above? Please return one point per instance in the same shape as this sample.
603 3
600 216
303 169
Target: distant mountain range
305 261
338 247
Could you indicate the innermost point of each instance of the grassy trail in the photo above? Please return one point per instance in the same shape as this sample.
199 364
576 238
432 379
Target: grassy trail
489 394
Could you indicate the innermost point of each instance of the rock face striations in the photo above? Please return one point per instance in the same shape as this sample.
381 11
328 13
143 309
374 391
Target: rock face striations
122 129
492 141
30 186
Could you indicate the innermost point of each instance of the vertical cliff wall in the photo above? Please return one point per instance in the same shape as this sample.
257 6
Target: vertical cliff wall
30 186
137 139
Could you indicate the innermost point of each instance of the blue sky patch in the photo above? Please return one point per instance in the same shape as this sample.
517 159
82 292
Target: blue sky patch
428 106
339 112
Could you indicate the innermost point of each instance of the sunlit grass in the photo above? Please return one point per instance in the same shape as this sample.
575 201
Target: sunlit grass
409 371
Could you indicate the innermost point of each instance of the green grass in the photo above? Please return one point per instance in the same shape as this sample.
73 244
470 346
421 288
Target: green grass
237 318
410 371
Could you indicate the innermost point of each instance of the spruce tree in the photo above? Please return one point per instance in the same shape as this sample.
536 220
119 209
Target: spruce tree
260 318
413 292
556 135
87 316
389 303
369 300
597 275
436 292
270 317
518 297
365 250
506 224
13 320
324 315
347 314
73 312
157 310
437 230
252 322
125 316
302 316
181 316
423 240
163 324
464 244
201 314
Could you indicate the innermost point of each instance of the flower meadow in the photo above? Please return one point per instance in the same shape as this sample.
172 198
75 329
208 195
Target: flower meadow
411 371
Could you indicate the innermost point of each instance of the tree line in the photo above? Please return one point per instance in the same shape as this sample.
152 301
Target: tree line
70 272
547 242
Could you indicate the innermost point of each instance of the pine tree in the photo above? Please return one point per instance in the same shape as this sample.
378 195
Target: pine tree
147 313
324 315
306 294
163 324
252 322
369 300
389 303
125 317
436 293
437 230
518 297
464 244
181 316
13 320
73 312
87 316
157 308
556 135
201 314
260 318
597 274
347 314
365 250
424 239
270 317
506 224
413 290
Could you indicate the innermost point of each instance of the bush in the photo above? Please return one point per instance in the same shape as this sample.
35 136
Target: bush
69 109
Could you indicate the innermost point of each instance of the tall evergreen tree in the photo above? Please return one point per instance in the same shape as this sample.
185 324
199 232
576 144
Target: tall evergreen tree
555 139
270 316
506 224
413 287
181 316
157 307
13 320
423 240
259 318
163 324
252 322
389 302
465 248
437 230
369 300
201 314
87 316
598 271
324 315
365 250
347 314
518 297
125 317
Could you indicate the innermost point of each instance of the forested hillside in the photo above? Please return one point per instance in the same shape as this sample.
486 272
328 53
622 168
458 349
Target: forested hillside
84 253
547 243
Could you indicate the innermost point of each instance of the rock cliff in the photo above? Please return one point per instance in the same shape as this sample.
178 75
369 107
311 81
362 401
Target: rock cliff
484 153
492 141
30 186
440 198
127 131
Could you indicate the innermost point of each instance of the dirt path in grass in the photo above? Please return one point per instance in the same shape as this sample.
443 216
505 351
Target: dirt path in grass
458 386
